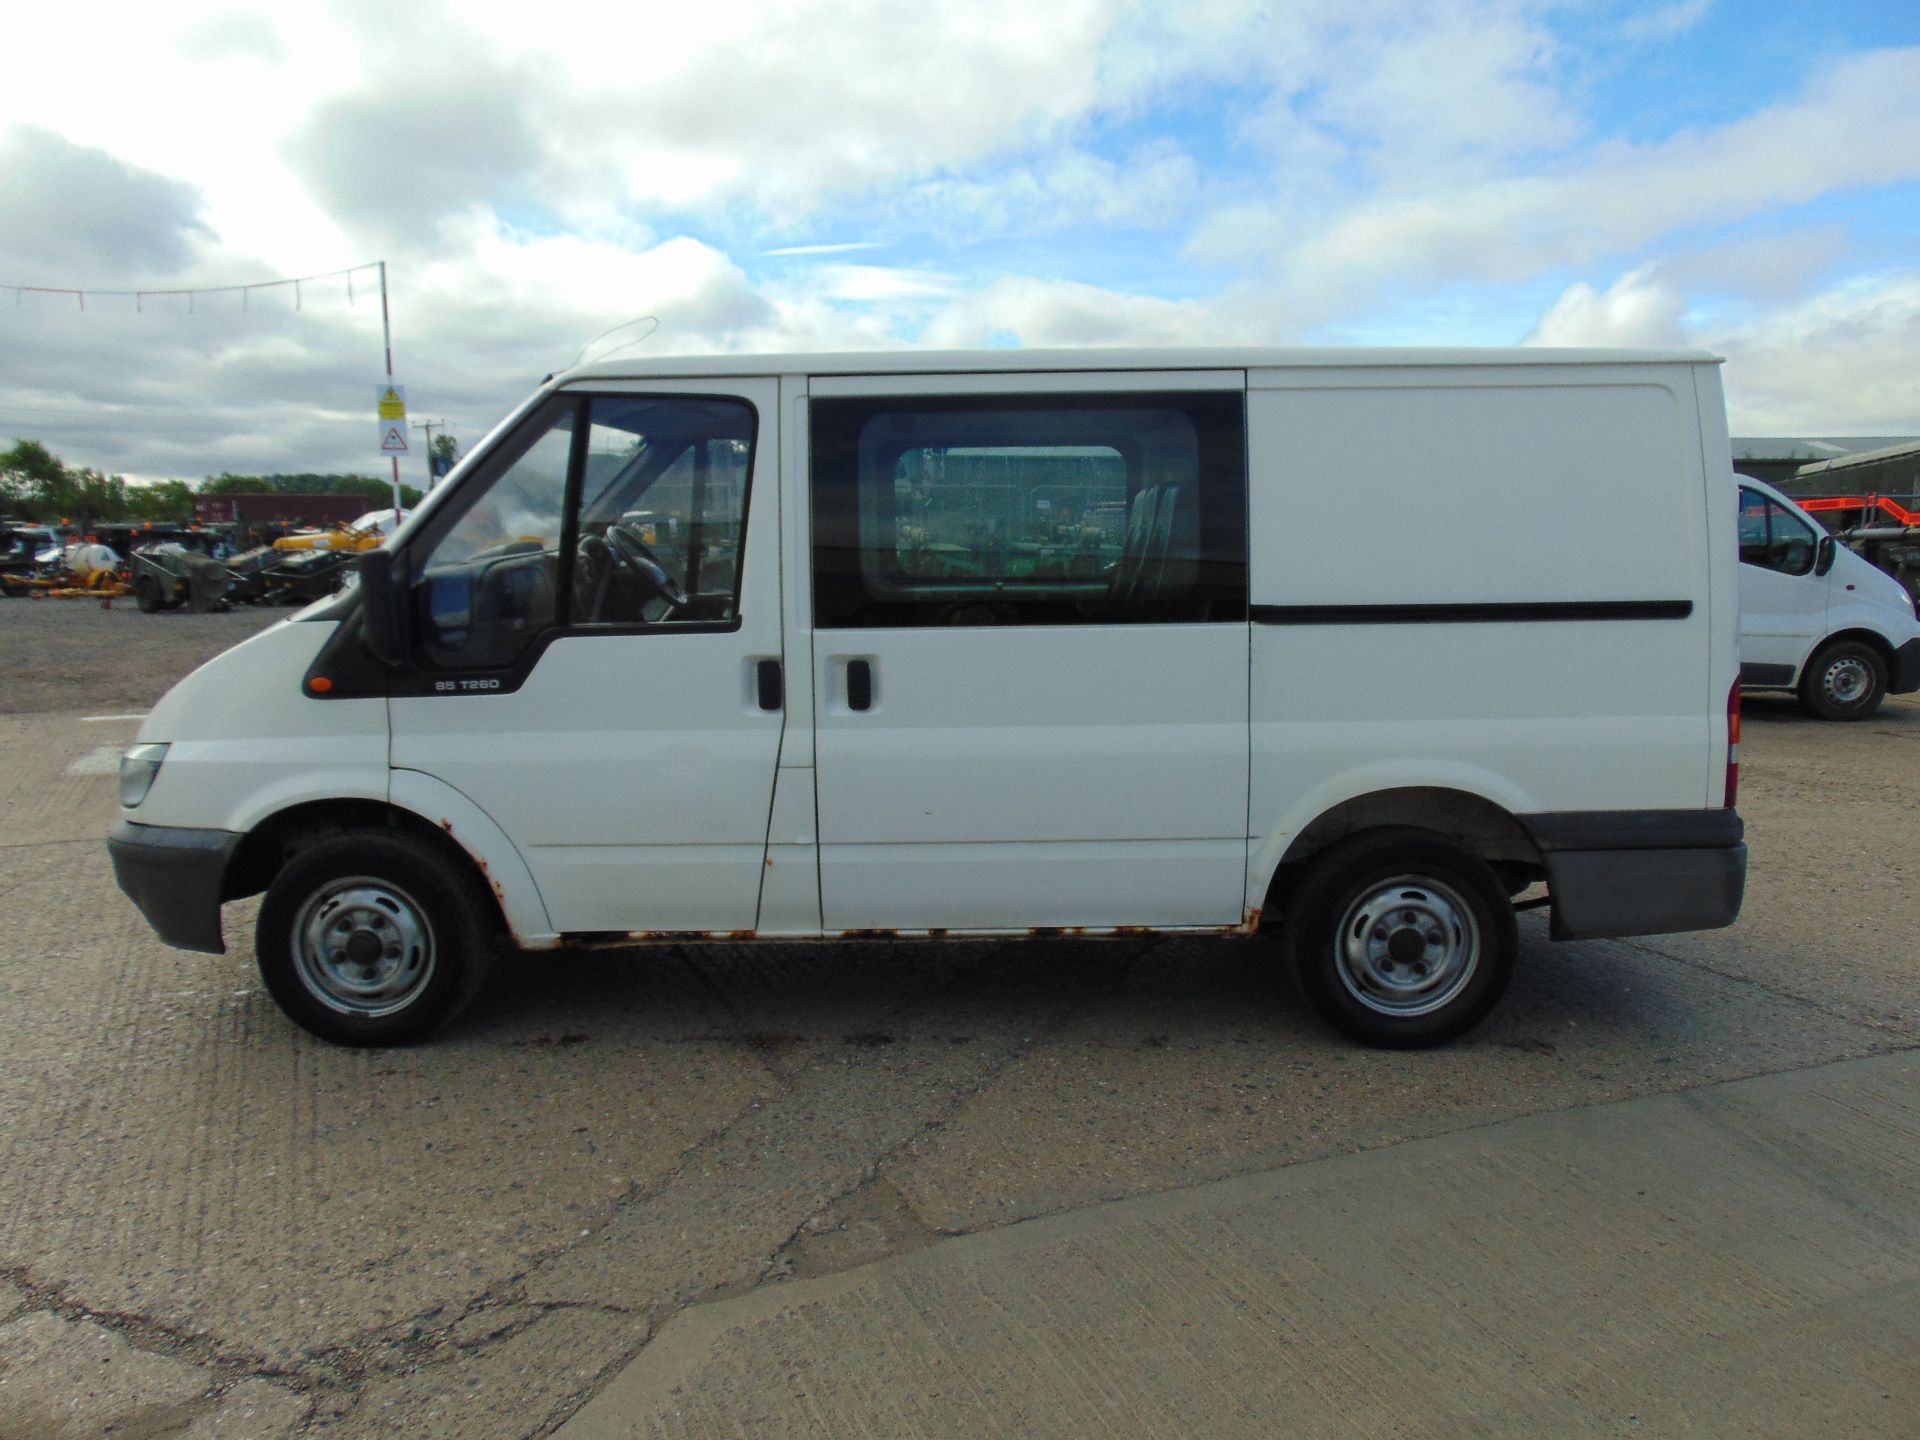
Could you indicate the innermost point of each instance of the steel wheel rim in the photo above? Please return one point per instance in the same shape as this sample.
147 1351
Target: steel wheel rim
1407 946
363 947
1847 680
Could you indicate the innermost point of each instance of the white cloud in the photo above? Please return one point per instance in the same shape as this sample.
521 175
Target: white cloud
1856 124
1667 22
534 180
841 248
1638 311
1839 363
1154 186
879 283
1039 313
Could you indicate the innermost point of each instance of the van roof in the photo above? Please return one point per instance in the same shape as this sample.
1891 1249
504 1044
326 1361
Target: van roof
890 362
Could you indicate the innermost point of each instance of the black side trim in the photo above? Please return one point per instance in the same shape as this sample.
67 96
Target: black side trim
1603 894
1758 675
1905 678
1634 829
1505 613
349 669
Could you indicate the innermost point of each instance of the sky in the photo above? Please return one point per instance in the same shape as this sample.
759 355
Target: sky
782 175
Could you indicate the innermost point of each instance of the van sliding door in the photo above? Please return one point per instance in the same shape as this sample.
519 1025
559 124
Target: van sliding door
1030 650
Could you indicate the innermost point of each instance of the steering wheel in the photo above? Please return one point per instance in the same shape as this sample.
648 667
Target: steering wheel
632 554
593 565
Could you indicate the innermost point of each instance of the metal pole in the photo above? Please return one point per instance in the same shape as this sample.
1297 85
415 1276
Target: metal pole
427 425
386 334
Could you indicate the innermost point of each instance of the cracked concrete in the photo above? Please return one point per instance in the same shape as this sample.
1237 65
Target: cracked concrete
473 1235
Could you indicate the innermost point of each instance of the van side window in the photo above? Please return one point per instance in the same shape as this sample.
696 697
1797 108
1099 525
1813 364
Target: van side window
612 511
1773 537
1029 510
663 507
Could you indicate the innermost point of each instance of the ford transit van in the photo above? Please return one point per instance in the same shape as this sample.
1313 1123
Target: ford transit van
1816 618
1362 648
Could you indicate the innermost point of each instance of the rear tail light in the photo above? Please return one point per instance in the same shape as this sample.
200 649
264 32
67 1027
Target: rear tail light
1733 745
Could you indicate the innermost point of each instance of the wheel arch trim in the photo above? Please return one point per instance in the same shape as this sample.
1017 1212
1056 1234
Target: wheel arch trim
1387 794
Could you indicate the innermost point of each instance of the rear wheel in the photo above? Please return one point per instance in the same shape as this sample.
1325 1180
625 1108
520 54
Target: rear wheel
1845 681
374 938
1401 938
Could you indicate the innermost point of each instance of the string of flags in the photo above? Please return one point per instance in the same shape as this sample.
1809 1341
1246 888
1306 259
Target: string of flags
192 293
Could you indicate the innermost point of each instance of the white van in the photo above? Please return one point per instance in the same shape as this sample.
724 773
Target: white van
1815 617
1361 645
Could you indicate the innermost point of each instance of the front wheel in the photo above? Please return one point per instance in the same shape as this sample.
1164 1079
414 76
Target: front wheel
1401 938
1845 681
146 594
373 938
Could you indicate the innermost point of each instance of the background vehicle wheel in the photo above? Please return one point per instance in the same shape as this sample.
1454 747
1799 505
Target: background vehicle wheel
146 595
1845 681
374 938
1401 938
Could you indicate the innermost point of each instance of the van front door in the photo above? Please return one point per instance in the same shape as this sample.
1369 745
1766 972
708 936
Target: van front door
1030 651
596 613
1783 604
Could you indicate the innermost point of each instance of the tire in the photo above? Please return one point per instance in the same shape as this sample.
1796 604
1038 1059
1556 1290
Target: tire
1401 939
146 595
374 938
1845 681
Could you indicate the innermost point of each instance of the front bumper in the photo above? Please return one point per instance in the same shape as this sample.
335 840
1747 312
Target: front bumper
1905 676
1641 872
175 876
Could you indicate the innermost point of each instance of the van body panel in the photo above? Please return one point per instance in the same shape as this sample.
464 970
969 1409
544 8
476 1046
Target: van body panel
1588 500
499 861
1584 487
1718 498
245 743
790 891
996 767
634 773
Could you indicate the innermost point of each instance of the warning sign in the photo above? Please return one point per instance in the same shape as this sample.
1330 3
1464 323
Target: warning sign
390 401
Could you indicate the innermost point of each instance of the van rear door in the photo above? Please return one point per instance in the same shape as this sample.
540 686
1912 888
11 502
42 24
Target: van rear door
1030 650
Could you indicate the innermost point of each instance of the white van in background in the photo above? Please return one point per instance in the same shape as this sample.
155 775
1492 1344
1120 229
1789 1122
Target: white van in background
1009 643
1815 617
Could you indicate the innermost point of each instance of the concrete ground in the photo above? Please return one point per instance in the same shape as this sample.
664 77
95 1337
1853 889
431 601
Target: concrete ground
1560 1275
211 1224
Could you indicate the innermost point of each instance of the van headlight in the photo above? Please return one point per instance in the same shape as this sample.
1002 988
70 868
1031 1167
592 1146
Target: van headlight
139 767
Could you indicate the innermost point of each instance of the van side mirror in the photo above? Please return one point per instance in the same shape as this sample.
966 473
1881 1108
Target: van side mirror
1823 556
383 610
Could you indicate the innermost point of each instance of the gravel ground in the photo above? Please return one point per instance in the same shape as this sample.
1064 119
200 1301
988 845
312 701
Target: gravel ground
85 656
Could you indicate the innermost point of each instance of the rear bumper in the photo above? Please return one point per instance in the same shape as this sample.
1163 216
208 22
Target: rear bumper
1904 678
1641 872
174 876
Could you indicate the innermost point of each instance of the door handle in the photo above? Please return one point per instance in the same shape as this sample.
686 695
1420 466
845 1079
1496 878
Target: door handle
766 676
859 685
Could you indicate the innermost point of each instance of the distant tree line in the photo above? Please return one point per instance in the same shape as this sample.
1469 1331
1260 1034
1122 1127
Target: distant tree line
36 485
